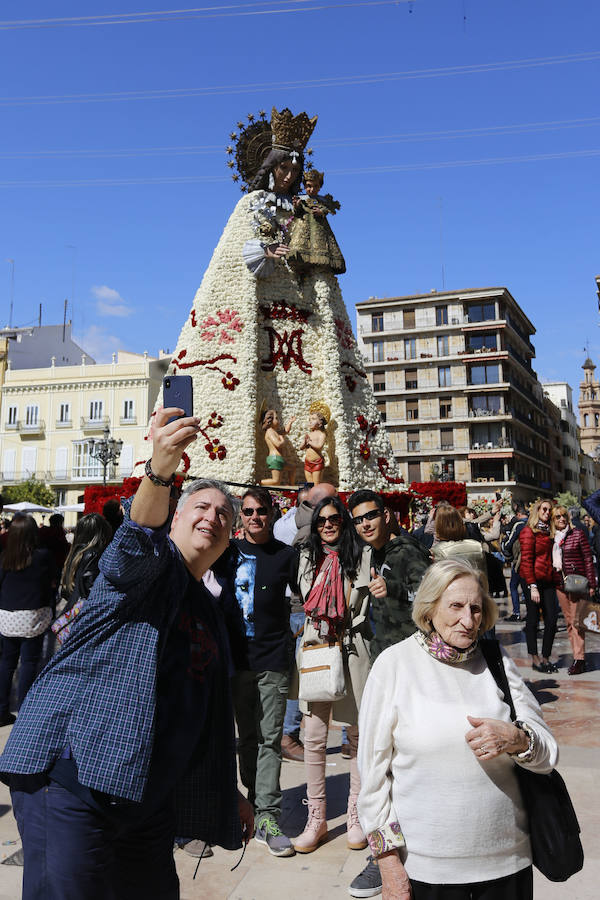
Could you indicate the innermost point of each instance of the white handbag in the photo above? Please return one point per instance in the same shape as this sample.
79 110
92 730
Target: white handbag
321 671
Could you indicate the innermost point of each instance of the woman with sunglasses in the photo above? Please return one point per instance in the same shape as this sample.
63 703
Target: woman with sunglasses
571 555
333 578
536 540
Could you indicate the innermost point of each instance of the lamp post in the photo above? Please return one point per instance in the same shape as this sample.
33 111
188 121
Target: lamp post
106 450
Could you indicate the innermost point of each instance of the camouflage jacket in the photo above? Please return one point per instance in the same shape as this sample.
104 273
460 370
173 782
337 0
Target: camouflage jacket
402 562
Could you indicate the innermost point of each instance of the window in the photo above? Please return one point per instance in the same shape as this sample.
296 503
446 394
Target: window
409 318
414 471
482 435
585 418
447 438
378 351
85 466
410 379
410 348
412 409
482 341
64 413
13 412
378 384
377 322
482 312
95 410
484 374
442 346
382 410
444 376
32 415
445 409
596 417
441 315
485 404
28 461
128 409
412 439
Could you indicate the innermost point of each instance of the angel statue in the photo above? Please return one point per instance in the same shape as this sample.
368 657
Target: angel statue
257 331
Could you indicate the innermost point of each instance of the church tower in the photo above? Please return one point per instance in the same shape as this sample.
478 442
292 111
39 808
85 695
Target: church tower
589 410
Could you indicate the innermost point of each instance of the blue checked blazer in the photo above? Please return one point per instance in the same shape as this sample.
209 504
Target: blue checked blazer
97 694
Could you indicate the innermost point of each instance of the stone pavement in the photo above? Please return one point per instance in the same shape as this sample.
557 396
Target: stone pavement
571 707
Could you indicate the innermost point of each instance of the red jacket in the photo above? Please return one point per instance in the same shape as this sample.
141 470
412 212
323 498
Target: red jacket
536 556
577 556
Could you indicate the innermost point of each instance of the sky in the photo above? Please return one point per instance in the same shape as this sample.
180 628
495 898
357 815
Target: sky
460 136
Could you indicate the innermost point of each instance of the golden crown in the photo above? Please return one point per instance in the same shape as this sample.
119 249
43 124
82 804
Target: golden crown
291 132
322 409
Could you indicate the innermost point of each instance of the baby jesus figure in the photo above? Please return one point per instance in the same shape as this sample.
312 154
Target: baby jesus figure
312 242
314 442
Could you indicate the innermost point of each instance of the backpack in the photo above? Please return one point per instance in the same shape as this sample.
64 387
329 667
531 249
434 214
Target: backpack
512 554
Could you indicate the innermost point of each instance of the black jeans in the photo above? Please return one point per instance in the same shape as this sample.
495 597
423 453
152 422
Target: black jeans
30 651
549 606
512 887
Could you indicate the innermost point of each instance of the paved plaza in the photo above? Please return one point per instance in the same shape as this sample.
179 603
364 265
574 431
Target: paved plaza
571 707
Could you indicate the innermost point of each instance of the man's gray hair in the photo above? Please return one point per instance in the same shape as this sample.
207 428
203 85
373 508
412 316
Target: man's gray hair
206 484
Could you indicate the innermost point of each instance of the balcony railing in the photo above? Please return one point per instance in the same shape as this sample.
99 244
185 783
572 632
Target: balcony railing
32 427
90 424
479 413
11 426
64 423
128 420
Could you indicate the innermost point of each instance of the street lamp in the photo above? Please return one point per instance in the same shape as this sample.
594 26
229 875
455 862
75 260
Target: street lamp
106 451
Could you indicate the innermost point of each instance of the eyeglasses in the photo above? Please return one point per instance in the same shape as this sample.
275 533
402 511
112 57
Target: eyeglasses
545 509
334 520
560 516
369 516
260 511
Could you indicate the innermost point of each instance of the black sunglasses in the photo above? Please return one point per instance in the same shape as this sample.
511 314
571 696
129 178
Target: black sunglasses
334 520
260 511
369 516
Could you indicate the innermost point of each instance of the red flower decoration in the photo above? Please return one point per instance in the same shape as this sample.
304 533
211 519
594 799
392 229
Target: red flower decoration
214 420
364 450
215 449
230 382
362 423
384 465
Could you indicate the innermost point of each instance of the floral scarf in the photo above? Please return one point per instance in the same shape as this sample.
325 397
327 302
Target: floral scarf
439 649
557 550
325 602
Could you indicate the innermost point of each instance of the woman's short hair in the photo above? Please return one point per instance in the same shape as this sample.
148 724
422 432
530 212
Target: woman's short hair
561 511
534 516
435 581
449 524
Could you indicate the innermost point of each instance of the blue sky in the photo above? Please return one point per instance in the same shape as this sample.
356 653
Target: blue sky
428 117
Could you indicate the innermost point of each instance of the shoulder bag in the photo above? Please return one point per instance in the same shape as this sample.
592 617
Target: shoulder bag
321 676
576 584
553 827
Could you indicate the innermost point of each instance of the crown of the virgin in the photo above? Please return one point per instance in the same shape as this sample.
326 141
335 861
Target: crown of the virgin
289 131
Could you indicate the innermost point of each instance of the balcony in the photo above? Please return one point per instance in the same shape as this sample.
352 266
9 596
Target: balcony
91 425
32 428
11 426
64 423
128 420
484 413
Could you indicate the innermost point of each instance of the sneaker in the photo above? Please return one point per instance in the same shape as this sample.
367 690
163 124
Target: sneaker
368 882
199 849
270 834
514 617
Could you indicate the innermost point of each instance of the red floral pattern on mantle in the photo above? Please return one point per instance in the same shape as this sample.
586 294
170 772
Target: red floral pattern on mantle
279 309
344 334
384 466
222 329
213 446
229 381
369 429
285 348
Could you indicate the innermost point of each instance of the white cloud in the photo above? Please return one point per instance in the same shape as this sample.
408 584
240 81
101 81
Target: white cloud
98 343
110 302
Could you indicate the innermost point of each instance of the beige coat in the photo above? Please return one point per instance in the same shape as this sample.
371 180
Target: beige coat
357 657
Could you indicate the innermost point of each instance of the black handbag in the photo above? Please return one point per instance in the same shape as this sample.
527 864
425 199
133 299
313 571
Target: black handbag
553 827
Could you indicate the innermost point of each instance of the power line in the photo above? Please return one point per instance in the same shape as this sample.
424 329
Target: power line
369 170
232 10
330 81
370 140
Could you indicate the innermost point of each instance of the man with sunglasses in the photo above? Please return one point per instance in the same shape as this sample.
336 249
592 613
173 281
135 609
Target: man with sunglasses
397 567
264 567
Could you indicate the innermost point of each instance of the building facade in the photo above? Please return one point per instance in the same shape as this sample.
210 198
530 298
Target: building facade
589 410
454 384
49 414
568 476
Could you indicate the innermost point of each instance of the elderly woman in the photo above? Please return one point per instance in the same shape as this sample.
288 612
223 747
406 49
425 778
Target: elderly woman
333 578
572 555
440 800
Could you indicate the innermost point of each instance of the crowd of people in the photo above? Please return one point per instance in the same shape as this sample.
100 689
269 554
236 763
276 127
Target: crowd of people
180 624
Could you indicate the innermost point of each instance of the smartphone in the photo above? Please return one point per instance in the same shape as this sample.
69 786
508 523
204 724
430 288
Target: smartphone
177 391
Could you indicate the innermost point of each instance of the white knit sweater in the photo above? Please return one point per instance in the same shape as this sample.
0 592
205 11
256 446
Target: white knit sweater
461 820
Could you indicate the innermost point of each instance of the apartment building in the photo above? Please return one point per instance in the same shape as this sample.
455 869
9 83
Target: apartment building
452 375
561 395
50 413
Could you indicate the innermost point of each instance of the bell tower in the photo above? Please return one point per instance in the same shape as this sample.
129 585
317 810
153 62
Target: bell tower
589 410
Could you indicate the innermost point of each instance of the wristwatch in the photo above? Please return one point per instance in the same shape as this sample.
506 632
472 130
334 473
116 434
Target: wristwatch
155 478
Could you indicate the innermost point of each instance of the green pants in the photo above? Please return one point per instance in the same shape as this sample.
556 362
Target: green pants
259 700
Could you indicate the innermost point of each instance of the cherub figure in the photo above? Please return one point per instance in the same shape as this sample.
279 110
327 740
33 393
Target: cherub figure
312 242
275 438
314 442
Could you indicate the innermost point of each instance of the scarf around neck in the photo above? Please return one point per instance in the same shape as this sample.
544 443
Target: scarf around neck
439 649
557 550
325 603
